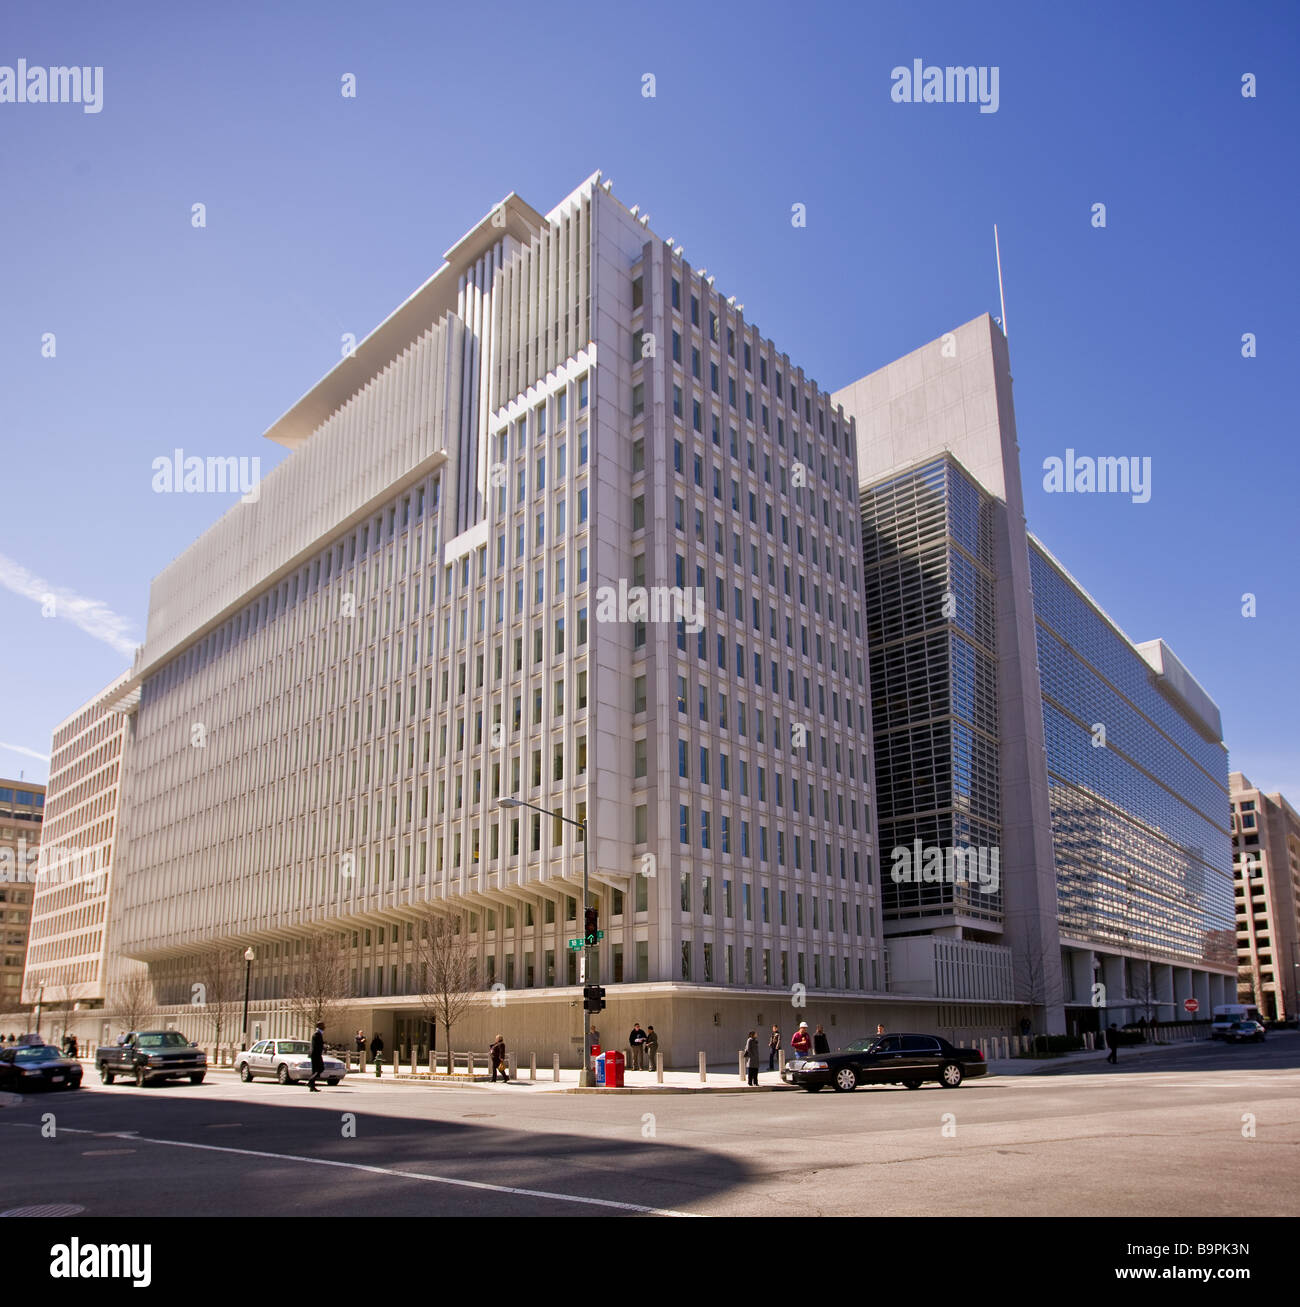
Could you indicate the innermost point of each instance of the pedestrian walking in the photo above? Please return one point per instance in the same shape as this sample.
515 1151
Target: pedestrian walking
751 1059
651 1049
497 1052
361 1041
820 1043
377 1053
72 1046
317 1056
636 1042
773 1048
801 1041
1112 1043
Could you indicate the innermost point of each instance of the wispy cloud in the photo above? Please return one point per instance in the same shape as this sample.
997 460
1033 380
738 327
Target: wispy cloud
91 615
31 753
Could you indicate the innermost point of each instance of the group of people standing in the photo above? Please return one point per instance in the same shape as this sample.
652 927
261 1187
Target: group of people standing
644 1048
802 1044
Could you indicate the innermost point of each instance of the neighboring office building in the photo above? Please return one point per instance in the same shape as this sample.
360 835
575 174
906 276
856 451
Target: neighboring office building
419 617
1266 863
990 669
22 811
68 957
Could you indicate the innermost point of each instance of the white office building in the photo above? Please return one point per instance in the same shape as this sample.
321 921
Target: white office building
566 527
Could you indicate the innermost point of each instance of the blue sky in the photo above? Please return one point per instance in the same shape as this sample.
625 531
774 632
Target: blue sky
323 213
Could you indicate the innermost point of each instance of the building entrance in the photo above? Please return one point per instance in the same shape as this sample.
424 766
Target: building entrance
414 1030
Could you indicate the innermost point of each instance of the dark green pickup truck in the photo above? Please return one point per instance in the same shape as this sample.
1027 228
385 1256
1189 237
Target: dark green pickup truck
148 1055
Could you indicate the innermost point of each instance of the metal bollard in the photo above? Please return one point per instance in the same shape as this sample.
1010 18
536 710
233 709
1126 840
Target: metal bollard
704 1075
740 1065
469 1065
513 1065
433 1063
659 1069
780 1059
532 1066
555 1067
361 1062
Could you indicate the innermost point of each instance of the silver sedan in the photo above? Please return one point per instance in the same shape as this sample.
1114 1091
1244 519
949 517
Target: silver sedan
286 1060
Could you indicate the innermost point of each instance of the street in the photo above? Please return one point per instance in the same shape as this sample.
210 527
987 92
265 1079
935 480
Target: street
1161 1135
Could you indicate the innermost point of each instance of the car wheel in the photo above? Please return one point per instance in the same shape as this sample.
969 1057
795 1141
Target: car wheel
333 1082
197 1078
283 1074
814 1089
912 1084
73 1084
140 1079
245 1072
950 1075
106 1075
846 1080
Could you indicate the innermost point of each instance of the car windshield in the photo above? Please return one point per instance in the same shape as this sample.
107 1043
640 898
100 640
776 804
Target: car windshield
36 1055
294 1046
861 1045
163 1039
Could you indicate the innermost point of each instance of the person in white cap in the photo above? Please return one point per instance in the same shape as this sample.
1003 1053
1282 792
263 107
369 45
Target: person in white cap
801 1041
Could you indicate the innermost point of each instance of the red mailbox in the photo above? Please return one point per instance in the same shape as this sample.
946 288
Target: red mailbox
614 1064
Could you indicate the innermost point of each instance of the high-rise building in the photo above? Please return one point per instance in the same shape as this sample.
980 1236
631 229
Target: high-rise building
1017 727
22 811
1266 866
565 528
68 952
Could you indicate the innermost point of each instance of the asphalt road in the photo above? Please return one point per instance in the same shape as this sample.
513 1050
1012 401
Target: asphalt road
1162 1135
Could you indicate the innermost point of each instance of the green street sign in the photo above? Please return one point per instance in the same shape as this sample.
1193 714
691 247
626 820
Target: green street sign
575 943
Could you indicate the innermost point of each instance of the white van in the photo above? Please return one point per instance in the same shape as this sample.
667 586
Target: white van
1226 1013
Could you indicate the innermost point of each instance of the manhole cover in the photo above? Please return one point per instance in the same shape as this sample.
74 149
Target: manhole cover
476 1116
45 1209
107 1152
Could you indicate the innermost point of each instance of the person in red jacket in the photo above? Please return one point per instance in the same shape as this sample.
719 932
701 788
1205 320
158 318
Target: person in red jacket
801 1041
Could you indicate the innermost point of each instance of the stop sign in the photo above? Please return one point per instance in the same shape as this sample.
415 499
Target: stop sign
1190 1005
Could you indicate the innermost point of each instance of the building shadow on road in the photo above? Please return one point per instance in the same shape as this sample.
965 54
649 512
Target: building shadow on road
162 1153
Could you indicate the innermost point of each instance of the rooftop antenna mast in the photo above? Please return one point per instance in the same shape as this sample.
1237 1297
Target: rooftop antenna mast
1001 295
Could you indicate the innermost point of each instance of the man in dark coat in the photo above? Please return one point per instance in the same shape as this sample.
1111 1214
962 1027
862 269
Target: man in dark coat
750 1053
1112 1043
820 1043
636 1042
317 1056
497 1052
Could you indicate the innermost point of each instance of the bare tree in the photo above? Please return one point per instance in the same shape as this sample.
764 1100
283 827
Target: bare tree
317 988
222 981
447 980
1037 982
133 998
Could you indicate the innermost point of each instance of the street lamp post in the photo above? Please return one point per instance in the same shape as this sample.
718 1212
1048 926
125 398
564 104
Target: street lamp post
40 997
249 955
584 1075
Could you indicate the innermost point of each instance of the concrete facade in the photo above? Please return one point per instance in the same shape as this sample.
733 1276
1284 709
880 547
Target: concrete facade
22 811
427 610
1266 877
72 950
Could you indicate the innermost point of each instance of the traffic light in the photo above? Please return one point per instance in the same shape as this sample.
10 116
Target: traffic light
593 998
591 924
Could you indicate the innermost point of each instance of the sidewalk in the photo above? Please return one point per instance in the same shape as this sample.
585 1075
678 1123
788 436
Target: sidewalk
722 1078
1038 1066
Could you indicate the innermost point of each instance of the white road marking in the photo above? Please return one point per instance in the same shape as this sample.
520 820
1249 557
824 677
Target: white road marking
381 1170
